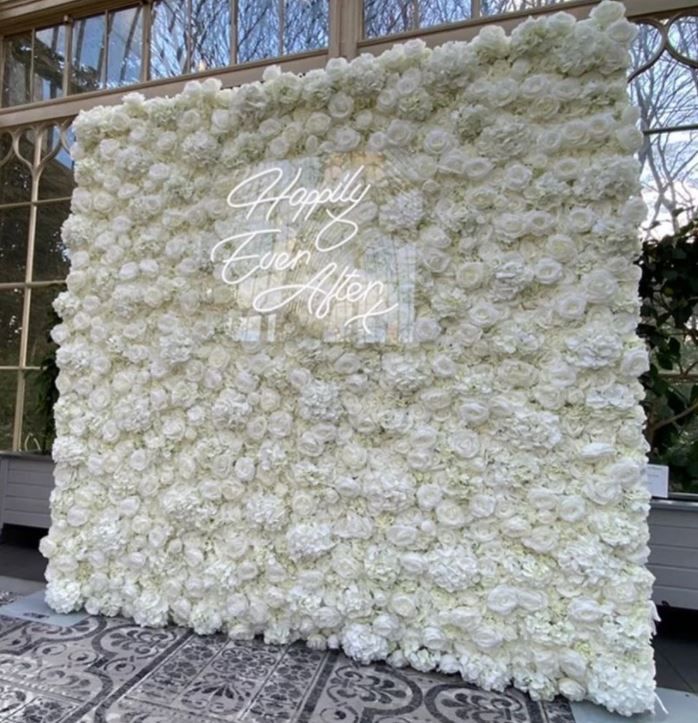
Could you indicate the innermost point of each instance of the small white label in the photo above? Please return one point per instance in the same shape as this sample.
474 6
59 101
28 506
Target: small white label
658 480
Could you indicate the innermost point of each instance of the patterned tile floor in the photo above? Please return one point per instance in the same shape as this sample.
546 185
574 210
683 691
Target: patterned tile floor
112 671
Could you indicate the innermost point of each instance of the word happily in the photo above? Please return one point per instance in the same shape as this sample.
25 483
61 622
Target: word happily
276 202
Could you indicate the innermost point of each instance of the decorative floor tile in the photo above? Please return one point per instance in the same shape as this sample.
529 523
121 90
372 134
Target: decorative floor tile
108 670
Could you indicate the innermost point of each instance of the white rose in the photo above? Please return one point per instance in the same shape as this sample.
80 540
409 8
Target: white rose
517 177
600 286
572 508
340 106
450 514
401 535
484 314
403 605
585 610
547 271
426 329
465 444
470 275
245 469
571 305
437 141
487 638
634 363
502 599
561 247
280 424
473 412
482 505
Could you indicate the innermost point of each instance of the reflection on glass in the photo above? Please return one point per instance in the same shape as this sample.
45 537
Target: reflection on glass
8 396
438 12
50 261
168 39
384 17
683 36
645 46
42 318
305 25
669 180
15 176
56 178
49 62
258 30
124 43
10 326
38 429
14 228
497 7
210 35
666 94
88 54
16 81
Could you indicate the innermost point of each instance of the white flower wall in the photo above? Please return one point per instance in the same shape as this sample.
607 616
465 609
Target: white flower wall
454 482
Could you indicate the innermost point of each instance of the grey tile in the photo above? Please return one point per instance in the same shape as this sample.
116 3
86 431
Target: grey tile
33 608
20 586
109 669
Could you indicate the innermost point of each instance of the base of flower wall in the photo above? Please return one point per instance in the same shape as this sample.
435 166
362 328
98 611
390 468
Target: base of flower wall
26 481
674 552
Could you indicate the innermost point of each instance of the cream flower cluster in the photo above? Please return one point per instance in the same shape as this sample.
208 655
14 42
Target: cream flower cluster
471 501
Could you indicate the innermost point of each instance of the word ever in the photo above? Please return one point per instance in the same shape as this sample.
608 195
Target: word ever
333 283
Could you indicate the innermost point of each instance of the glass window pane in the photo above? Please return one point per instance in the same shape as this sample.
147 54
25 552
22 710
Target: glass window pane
42 318
38 428
17 69
497 7
305 25
666 94
439 12
56 178
8 397
683 36
14 229
124 45
210 34
49 62
88 54
384 17
168 39
15 176
258 30
669 180
645 46
50 261
10 326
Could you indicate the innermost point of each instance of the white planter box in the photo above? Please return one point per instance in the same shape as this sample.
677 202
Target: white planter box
674 552
26 481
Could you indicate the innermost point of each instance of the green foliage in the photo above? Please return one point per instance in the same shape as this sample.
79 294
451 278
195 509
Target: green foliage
669 295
